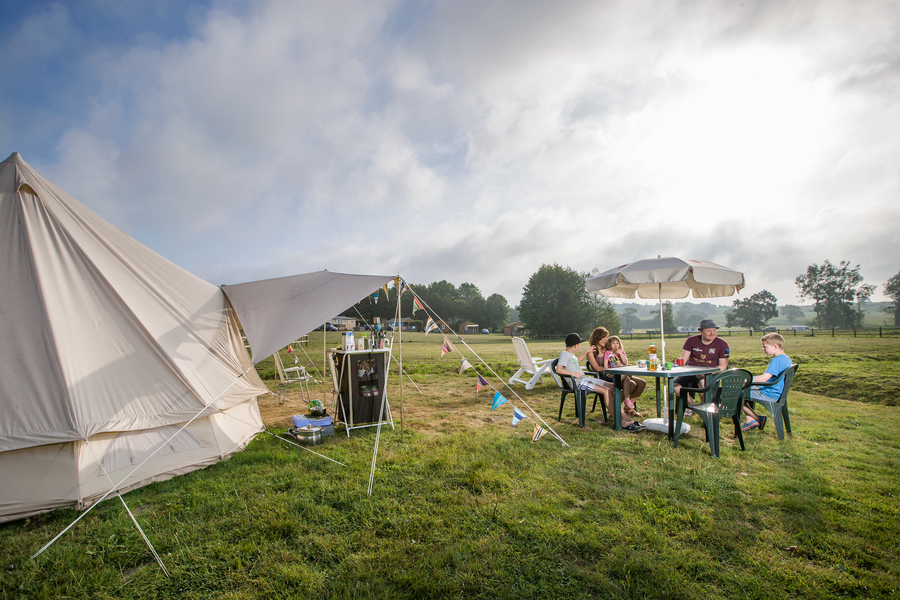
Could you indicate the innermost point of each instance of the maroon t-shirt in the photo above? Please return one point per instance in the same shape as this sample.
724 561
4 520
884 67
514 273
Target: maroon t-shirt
703 355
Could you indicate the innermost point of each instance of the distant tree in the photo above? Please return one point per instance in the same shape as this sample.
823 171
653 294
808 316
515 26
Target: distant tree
753 312
629 315
473 304
555 301
863 293
694 320
892 291
668 317
496 312
606 315
793 313
833 288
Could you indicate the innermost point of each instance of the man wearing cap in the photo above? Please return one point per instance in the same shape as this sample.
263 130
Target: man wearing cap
704 350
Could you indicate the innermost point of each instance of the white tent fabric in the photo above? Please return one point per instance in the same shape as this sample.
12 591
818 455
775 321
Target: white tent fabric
99 335
274 312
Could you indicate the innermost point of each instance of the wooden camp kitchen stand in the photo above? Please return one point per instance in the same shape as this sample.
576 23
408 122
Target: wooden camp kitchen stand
360 378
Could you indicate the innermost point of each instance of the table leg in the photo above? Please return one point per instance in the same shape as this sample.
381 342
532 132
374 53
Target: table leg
658 404
617 401
670 385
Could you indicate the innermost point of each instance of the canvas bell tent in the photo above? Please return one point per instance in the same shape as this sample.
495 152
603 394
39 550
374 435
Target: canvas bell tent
106 350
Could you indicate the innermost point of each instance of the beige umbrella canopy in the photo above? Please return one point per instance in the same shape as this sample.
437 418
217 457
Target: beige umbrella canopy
667 277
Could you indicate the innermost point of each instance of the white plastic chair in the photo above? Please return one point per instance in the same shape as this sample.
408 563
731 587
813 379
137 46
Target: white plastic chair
289 376
532 365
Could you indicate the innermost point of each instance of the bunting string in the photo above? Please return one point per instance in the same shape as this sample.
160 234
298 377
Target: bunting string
481 383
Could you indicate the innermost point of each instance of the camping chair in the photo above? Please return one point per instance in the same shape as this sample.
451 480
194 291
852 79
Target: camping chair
288 376
569 386
725 389
597 396
778 408
533 365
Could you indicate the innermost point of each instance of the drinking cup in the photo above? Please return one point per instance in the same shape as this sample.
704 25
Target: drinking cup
642 364
680 362
668 366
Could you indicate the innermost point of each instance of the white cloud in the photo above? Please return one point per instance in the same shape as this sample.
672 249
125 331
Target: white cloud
474 141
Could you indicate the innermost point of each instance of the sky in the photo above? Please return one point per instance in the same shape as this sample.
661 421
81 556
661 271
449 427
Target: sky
471 141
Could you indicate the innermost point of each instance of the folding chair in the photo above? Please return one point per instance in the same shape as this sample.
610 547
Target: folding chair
532 365
288 376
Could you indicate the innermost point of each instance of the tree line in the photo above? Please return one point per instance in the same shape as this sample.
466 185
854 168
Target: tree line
556 302
838 293
455 305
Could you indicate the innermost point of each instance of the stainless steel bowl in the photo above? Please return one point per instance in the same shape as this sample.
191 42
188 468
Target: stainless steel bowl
317 411
309 435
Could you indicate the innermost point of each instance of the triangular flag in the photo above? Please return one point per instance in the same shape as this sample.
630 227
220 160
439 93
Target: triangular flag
465 365
296 359
446 347
538 432
517 416
290 349
417 303
376 296
386 297
499 400
430 326
482 382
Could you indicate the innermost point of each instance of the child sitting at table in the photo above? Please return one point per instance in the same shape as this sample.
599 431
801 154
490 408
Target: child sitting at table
568 364
633 387
773 345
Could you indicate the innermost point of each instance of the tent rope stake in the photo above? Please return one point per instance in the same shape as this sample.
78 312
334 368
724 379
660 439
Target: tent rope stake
133 471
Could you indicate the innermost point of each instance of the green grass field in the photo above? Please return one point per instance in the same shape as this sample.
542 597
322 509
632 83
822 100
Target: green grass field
464 505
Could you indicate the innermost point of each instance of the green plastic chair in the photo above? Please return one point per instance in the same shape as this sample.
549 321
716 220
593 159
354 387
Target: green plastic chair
725 389
596 375
570 386
777 408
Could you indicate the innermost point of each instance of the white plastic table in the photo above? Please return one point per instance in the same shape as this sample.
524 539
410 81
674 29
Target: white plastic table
668 375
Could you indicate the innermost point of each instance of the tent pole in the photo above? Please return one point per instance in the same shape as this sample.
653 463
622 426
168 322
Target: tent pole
398 325
324 359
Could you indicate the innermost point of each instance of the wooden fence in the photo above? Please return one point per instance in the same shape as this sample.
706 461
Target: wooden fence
872 332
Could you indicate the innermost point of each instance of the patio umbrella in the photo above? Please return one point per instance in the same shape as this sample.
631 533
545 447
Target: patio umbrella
667 277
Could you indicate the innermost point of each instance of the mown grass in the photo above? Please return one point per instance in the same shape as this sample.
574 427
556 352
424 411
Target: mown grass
466 506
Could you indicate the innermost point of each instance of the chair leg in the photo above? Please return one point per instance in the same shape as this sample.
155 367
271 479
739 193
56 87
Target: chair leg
678 422
562 401
777 416
714 436
737 429
786 418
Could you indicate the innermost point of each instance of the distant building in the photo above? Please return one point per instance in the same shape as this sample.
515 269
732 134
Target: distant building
514 329
468 327
345 323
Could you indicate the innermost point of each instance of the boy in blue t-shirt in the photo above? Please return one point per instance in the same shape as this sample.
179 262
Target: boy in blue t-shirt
773 345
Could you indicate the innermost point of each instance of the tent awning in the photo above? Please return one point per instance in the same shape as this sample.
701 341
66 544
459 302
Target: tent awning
275 312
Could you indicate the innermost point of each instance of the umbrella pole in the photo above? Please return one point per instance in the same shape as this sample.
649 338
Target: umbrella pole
662 343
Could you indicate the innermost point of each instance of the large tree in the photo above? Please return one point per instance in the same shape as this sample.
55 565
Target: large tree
833 289
753 312
496 312
892 291
555 301
668 317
